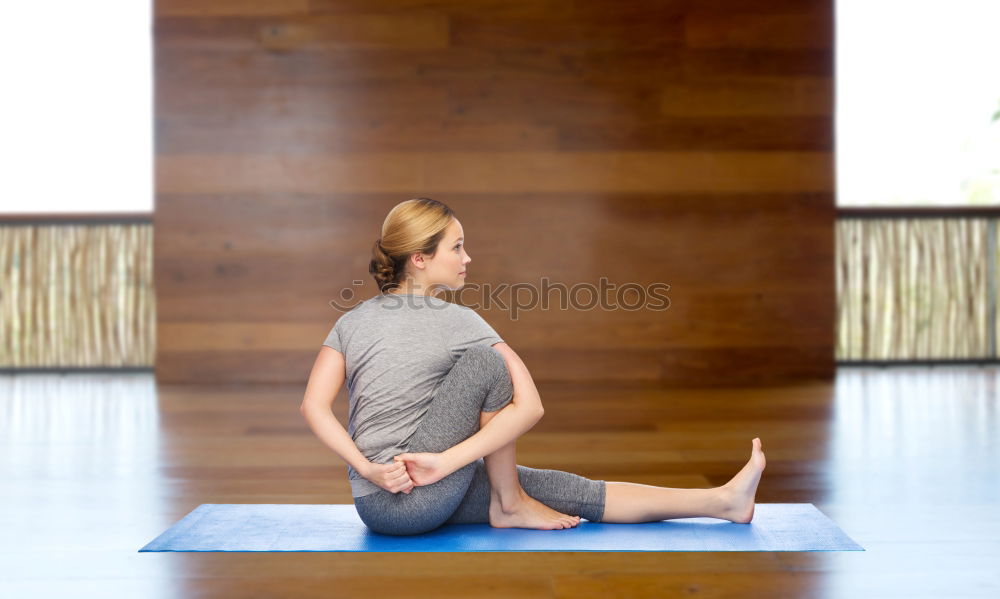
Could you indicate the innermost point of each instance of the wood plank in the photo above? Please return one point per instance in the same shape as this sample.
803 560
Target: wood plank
254 106
298 32
203 8
724 133
390 134
733 30
750 96
726 62
419 172
493 8
632 31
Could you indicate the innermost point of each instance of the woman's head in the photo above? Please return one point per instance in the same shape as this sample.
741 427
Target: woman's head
421 249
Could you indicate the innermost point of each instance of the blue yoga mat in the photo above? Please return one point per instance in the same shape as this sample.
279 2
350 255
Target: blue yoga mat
319 527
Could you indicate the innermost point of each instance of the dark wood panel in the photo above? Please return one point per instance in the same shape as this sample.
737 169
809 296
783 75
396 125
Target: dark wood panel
756 96
250 105
708 133
432 173
688 273
296 33
718 29
264 366
680 142
332 135
215 63
492 8
612 32
203 8
758 62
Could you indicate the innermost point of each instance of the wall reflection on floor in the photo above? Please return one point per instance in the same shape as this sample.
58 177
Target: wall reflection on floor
79 486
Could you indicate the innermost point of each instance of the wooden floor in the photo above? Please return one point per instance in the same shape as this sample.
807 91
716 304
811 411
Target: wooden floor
904 460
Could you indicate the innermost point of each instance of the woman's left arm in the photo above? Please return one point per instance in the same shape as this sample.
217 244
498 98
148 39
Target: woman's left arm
325 381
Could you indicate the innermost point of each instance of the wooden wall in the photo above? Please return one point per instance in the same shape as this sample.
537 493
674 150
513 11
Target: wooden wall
686 142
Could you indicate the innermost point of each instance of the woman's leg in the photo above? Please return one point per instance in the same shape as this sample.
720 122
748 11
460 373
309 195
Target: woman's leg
510 506
734 501
621 502
563 492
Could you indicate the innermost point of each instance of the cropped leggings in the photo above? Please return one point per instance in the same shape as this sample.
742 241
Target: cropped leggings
478 382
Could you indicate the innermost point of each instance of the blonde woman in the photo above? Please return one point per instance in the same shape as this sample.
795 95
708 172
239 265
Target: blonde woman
437 401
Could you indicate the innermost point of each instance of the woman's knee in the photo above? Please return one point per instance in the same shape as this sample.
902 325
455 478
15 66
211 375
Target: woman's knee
386 521
486 357
489 366
400 530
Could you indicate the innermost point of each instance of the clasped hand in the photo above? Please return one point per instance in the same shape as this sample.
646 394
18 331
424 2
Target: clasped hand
409 470
424 468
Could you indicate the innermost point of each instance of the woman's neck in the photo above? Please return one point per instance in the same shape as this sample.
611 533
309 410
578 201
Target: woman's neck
415 289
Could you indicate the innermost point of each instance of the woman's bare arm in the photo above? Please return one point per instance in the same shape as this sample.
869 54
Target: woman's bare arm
515 419
325 381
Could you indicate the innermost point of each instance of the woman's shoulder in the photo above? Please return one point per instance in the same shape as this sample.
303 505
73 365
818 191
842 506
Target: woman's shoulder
355 311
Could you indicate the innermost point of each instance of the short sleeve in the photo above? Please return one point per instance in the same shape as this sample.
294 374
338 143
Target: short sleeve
470 330
333 339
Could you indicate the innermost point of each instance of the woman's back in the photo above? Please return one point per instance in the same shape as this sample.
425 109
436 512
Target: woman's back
397 349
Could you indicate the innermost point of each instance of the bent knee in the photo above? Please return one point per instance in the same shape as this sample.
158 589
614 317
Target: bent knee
486 352
487 358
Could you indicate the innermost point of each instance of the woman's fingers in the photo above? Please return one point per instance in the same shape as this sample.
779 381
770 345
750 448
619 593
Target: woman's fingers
398 478
401 479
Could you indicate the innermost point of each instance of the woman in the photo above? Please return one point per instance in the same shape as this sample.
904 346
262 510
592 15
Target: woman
437 401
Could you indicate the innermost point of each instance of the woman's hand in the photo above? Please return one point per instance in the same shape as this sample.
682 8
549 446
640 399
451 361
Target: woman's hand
424 468
392 477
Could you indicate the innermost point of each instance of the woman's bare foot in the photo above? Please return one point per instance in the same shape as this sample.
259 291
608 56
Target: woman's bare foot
528 512
738 494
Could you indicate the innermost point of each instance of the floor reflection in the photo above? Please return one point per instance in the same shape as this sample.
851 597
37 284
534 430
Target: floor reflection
915 435
913 477
79 485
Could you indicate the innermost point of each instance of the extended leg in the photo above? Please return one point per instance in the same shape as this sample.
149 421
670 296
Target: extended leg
620 502
632 502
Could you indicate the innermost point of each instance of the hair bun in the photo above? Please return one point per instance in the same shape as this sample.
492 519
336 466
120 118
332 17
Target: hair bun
415 225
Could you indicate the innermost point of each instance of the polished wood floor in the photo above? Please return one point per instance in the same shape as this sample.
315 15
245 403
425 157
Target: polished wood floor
905 460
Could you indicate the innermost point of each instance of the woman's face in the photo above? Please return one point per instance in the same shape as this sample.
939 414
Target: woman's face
447 267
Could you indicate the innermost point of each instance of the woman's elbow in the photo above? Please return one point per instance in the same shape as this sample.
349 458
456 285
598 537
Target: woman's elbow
308 406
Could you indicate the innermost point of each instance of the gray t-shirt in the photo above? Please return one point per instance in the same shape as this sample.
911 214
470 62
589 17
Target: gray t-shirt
398 348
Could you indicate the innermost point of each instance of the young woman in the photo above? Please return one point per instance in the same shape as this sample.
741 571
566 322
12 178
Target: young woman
437 401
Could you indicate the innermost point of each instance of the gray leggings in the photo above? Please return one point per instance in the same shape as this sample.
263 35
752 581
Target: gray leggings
478 382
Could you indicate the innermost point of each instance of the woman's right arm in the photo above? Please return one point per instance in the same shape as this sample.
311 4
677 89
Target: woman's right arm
325 381
515 419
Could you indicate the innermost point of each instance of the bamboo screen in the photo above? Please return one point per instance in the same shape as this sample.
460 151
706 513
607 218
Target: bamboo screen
916 289
77 295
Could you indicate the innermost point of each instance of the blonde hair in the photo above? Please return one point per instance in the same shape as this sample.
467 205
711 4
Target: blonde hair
412 226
